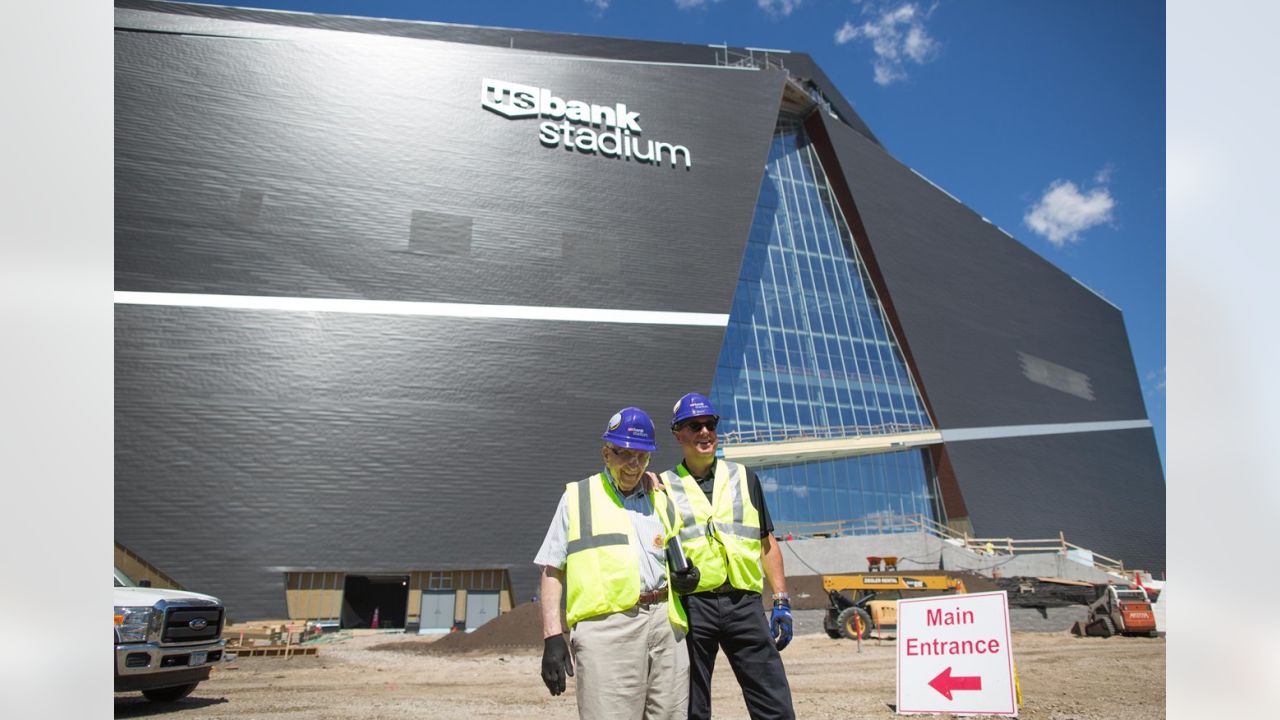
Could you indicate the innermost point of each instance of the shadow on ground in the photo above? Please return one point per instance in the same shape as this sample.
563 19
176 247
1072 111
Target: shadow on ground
137 706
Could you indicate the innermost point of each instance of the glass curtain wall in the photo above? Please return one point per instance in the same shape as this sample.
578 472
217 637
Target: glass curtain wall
866 494
809 353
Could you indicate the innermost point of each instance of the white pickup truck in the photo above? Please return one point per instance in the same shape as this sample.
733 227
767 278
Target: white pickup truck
167 641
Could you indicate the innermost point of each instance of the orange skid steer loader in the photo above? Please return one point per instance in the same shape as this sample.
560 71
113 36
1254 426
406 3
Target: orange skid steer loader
1119 611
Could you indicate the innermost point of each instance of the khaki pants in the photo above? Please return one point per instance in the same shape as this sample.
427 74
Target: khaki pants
631 665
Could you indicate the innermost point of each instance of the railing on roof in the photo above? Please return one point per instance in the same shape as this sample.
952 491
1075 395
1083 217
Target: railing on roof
826 432
878 524
762 59
753 57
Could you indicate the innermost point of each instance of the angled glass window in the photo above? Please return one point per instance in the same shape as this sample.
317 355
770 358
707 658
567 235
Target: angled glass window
866 494
808 351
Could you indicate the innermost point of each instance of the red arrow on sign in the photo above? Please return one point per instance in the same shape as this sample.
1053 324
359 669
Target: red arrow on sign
945 683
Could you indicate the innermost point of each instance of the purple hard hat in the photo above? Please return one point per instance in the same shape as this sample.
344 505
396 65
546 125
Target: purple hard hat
691 405
631 428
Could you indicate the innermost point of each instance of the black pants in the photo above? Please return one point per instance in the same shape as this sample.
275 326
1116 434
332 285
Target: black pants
735 622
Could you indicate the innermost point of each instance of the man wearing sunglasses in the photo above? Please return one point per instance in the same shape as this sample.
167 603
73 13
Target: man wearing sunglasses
726 531
607 544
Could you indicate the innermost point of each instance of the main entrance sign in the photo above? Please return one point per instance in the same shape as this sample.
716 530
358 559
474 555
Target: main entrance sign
616 127
954 655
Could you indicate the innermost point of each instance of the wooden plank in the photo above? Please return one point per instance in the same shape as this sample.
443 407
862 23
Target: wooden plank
1064 581
272 650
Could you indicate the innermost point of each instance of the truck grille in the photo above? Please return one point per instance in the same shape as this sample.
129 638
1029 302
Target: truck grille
178 620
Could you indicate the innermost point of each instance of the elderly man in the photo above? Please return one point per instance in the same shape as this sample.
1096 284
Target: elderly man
727 533
607 543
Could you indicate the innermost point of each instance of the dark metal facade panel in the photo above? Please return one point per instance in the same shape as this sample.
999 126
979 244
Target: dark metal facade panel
1105 490
251 441
975 304
304 162
197 18
312 166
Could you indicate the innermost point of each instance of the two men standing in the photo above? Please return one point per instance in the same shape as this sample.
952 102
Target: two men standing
644 636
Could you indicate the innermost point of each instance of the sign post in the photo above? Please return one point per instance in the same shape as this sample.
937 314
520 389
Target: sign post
955 656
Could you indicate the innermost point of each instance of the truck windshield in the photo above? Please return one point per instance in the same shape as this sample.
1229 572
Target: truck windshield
123 580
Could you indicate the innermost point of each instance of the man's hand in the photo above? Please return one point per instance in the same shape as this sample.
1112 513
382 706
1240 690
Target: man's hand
555 663
686 581
780 623
652 482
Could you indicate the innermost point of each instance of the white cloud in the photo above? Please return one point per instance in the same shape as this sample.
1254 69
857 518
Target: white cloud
1064 212
918 45
599 5
897 36
887 73
689 4
1156 380
846 33
777 7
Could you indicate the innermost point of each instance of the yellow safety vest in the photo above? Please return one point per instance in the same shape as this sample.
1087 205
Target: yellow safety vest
601 568
720 536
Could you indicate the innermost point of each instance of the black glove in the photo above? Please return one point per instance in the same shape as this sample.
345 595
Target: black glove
555 663
686 581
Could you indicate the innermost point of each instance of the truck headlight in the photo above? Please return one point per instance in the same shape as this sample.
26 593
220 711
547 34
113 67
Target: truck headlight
132 623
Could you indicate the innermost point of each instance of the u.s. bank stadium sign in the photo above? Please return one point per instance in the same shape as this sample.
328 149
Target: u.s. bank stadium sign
611 131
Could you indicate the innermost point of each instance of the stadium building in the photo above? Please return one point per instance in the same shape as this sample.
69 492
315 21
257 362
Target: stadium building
379 285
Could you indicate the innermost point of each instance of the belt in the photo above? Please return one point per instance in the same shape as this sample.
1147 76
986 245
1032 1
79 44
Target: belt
653 596
724 588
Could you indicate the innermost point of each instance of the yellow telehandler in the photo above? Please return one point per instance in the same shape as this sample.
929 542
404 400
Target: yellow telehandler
847 617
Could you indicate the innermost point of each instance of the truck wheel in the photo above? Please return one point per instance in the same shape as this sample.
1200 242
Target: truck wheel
169 694
1108 627
846 622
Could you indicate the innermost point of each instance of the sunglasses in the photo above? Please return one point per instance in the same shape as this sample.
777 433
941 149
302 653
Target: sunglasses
697 425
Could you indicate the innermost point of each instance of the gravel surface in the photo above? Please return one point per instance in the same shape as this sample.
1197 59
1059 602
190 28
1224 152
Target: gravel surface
1063 678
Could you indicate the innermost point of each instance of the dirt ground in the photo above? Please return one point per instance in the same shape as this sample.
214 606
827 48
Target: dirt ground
1063 678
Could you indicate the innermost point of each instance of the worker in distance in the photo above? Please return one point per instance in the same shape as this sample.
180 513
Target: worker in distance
605 553
726 532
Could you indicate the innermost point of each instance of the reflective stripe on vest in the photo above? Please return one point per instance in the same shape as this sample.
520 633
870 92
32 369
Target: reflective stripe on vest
720 535
587 538
602 570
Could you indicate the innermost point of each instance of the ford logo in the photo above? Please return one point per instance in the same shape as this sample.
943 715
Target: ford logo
198 624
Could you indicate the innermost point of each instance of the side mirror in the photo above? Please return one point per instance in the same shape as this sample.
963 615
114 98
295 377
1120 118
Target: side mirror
144 583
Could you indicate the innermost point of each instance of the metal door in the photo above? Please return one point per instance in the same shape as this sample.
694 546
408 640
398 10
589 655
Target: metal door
437 611
482 606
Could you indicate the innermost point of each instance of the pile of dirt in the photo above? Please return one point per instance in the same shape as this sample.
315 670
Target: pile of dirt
521 628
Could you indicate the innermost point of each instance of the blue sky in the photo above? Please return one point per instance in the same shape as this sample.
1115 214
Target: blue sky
1048 118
